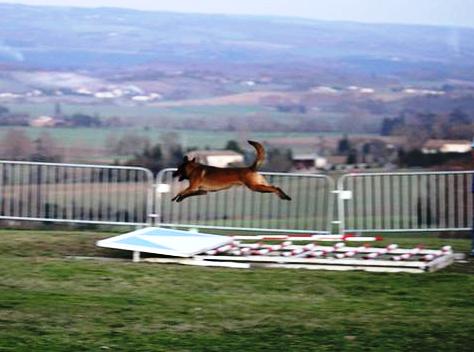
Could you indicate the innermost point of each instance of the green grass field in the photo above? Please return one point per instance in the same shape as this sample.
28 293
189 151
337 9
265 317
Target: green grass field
105 110
98 137
49 302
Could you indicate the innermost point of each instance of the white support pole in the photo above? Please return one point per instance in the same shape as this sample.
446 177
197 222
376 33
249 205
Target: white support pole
136 256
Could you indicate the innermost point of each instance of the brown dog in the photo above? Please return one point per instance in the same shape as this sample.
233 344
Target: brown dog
204 178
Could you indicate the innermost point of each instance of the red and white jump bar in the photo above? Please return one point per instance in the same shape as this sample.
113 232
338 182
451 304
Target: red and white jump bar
310 237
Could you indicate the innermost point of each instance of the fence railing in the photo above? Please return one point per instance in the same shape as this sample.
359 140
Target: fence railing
115 195
405 201
241 209
75 193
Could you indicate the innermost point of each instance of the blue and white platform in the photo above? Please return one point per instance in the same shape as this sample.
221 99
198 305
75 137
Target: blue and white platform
165 241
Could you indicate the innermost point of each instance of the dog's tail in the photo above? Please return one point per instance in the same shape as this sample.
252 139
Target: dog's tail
260 155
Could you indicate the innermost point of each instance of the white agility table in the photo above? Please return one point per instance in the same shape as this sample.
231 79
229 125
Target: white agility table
163 241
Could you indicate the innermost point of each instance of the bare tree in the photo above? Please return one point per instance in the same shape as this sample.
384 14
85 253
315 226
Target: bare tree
172 151
128 144
45 149
16 145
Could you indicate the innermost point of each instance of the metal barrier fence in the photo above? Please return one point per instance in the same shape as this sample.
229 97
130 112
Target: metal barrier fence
402 201
367 202
75 193
241 209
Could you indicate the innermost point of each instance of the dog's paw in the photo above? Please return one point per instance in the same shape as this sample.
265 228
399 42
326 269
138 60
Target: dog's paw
285 196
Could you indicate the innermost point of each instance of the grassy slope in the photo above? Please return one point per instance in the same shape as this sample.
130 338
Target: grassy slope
51 303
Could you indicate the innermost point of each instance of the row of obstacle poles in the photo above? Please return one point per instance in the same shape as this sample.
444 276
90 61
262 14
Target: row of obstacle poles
308 252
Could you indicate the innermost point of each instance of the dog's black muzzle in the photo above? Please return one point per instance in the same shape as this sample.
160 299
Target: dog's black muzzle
181 176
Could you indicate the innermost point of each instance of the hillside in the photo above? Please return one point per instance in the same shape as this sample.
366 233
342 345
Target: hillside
217 72
65 37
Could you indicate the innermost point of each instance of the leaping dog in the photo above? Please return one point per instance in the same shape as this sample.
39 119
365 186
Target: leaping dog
204 178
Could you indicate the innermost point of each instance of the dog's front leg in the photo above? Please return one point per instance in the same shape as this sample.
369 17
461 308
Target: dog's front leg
175 197
193 188
179 196
195 193
188 192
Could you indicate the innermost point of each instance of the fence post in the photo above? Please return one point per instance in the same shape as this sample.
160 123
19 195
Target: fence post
158 189
339 220
342 195
472 229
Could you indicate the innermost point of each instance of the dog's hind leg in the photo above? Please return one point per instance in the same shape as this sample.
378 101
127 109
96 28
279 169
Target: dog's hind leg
269 189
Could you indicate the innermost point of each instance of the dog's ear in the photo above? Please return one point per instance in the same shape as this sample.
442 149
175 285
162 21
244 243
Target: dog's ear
185 159
194 160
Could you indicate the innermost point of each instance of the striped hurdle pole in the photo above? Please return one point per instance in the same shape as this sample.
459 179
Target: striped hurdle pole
223 249
241 251
351 252
444 251
271 248
413 252
381 251
310 237
293 252
311 248
246 249
300 251
318 252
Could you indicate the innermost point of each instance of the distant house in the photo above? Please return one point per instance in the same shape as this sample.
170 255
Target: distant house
314 162
219 158
446 146
43 121
309 162
337 162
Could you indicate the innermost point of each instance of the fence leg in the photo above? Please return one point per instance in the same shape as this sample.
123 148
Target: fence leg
472 240
342 195
472 193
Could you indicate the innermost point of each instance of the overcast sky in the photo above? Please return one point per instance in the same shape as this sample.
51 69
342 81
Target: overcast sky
438 12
